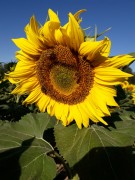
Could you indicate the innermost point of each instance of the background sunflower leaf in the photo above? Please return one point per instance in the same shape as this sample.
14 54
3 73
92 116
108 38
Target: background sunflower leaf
106 150
23 151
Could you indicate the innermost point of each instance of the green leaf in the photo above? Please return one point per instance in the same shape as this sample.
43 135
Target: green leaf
23 151
107 151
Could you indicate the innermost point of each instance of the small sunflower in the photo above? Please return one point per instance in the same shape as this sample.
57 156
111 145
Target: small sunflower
65 75
130 88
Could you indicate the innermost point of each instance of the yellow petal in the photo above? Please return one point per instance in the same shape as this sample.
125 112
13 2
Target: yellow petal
85 116
76 15
32 34
48 30
58 110
107 90
107 47
50 107
70 117
34 96
21 56
73 33
59 37
12 80
102 96
110 76
23 70
120 61
26 46
43 102
99 102
34 24
65 113
53 16
19 74
29 86
77 115
94 116
25 64
96 49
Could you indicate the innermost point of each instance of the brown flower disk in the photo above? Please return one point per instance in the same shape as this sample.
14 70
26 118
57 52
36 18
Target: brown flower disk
64 76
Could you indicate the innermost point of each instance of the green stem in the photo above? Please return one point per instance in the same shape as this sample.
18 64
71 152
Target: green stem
69 174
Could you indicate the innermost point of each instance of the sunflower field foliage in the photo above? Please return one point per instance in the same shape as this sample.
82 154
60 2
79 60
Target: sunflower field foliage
67 108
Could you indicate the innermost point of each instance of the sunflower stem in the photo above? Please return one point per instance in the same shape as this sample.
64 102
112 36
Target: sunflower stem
69 174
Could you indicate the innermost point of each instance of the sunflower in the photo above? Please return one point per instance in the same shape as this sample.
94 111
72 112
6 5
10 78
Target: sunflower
129 88
65 75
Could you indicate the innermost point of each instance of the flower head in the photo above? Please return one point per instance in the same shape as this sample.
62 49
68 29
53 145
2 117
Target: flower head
70 78
130 88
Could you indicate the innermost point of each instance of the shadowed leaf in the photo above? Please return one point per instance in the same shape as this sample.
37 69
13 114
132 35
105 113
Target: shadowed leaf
99 147
23 151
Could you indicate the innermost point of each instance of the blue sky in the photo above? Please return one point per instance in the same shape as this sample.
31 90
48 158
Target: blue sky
117 14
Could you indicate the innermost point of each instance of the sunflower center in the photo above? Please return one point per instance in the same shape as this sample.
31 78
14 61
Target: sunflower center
64 76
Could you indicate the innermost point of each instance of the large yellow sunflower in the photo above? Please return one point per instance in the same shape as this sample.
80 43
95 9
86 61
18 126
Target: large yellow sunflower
70 78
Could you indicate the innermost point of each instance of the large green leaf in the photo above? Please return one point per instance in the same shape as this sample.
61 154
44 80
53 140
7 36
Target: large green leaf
97 151
23 151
